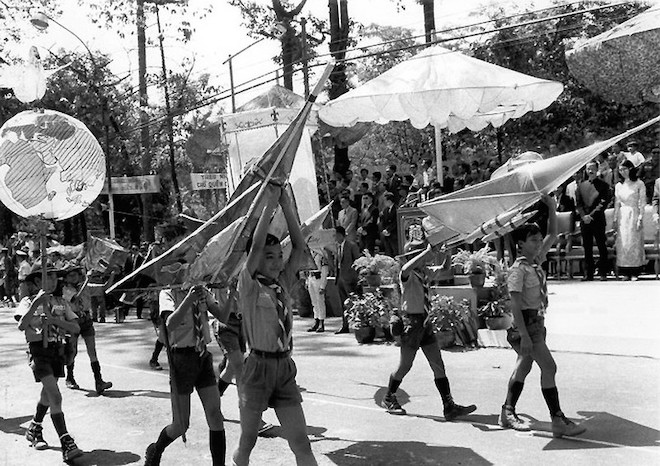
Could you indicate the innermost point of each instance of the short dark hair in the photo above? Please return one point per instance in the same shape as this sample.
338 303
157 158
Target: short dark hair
341 230
632 170
392 167
271 240
377 175
525 231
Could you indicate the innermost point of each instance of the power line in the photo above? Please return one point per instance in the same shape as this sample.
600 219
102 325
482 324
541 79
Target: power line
225 93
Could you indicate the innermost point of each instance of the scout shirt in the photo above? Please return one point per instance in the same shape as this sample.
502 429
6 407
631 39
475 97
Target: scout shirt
257 304
59 307
524 279
412 294
182 336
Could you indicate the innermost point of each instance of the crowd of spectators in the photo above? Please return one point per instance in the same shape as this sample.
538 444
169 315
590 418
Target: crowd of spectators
365 203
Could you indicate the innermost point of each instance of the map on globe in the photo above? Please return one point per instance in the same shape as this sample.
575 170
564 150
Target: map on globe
50 165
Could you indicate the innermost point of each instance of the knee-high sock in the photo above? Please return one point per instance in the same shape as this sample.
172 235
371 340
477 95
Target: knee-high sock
58 422
218 445
551 396
393 385
96 369
163 441
40 413
513 393
157 349
442 384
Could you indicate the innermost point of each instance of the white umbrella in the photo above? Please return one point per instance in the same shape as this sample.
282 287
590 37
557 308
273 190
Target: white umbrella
444 88
623 63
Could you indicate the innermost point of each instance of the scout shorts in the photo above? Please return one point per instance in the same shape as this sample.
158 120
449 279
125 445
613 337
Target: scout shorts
46 361
416 331
268 382
535 324
191 370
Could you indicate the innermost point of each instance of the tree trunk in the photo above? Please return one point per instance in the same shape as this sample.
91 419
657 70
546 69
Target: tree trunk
147 213
339 28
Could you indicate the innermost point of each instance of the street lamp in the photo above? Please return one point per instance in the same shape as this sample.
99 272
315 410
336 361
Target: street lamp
41 21
276 32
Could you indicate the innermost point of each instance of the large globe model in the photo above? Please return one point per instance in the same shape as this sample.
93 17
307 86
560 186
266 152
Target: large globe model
50 165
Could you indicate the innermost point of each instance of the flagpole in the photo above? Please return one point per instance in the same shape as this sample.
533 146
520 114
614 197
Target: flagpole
284 149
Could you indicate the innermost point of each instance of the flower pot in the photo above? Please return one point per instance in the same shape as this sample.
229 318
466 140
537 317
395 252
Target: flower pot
499 323
372 280
477 280
365 334
445 338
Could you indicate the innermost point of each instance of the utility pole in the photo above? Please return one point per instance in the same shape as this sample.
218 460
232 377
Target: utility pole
170 129
303 40
147 208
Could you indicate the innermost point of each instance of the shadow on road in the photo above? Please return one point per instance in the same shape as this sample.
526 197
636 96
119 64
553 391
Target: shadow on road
401 396
127 393
107 458
12 425
404 454
604 430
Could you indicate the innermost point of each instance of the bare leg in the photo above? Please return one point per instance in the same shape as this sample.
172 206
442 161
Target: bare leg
90 343
250 420
434 357
406 359
292 419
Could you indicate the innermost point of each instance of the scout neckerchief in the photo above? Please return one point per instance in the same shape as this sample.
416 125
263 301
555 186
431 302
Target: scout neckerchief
198 329
198 325
543 284
284 333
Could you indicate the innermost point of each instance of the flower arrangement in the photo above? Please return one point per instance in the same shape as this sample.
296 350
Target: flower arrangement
446 314
368 310
499 304
386 267
477 262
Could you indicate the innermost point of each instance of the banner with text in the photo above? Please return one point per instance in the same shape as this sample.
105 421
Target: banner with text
202 181
142 184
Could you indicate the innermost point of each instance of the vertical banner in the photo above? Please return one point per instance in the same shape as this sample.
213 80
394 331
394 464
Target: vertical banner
249 134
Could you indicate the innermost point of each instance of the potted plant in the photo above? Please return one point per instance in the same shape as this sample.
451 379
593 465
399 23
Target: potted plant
367 312
377 269
446 316
477 264
497 311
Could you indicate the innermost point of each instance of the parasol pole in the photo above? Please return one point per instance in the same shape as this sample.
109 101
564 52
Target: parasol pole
45 330
438 153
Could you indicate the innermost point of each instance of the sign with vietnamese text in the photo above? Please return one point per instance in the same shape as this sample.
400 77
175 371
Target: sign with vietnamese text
142 184
202 181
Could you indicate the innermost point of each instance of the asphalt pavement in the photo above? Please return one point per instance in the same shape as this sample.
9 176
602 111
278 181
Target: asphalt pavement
604 337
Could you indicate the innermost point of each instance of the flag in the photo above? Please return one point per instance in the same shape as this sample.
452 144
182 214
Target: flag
464 211
174 266
272 169
104 254
169 267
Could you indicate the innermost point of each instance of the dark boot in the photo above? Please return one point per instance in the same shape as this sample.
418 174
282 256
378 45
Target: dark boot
101 385
69 448
70 381
321 327
34 435
315 326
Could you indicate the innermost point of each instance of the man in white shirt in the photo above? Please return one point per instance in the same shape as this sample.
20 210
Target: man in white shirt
636 157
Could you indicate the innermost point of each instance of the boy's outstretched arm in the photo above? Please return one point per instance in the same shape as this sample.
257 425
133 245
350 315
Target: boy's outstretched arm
297 239
261 230
412 264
